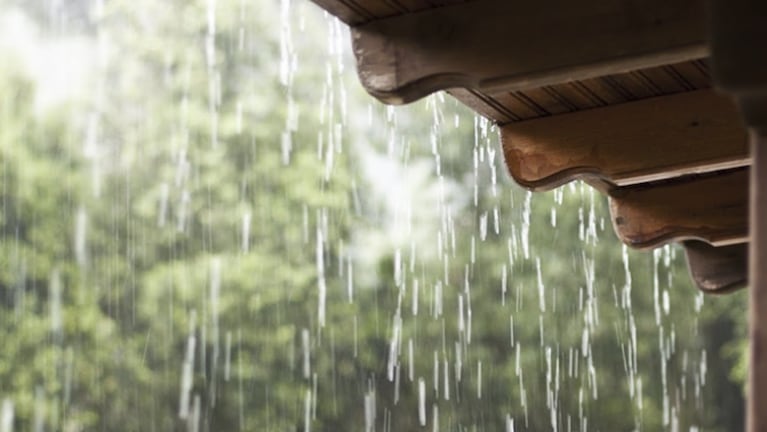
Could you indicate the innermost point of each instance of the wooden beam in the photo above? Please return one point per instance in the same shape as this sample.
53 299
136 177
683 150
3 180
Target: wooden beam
355 12
738 41
501 45
711 208
757 382
717 270
352 13
635 142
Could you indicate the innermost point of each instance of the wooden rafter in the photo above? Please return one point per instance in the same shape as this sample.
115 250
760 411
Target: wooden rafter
637 142
499 45
710 208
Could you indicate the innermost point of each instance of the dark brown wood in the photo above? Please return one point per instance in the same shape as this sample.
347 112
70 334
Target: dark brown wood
499 45
354 12
566 97
757 313
738 42
636 142
712 208
717 270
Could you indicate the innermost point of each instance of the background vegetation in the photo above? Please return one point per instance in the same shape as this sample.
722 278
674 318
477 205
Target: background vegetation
207 226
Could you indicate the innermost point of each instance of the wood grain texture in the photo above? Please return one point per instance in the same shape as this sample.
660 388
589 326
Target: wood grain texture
572 96
712 208
636 142
757 312
355 12
497 46
717 270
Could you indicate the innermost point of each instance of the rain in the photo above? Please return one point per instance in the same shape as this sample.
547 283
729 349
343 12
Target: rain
207 225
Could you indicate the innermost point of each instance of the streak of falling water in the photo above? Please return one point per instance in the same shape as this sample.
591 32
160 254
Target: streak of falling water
305 349
394 346
214 76
187 369
228 356
245 241
314 396
370 411
40 411
435 374
446 378
526 225
215 295
435 418
288 66
349 279
80 241
655 285
421 402
458 362
6 416
504 276
479 379
321 286
308 411
410 361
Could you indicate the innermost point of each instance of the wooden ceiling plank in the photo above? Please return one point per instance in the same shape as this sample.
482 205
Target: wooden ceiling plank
356 12
550 100
635 142
606 91
500 45
710 208
662 79
578 95
717 270
485 105
350 11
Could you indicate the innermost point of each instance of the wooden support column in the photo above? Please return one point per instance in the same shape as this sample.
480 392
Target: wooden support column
738 40
757 382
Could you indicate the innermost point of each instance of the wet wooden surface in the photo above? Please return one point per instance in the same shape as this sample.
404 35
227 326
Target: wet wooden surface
497 46
636 142
571 96
717 270
757 419
711 208
355 12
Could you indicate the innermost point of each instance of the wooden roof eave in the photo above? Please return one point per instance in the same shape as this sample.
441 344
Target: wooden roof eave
497 45
631 143
626 140
717 270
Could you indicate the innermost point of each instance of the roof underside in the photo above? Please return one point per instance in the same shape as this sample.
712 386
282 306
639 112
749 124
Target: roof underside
619 97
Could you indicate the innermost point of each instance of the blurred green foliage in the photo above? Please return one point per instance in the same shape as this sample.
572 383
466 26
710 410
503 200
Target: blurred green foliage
189 210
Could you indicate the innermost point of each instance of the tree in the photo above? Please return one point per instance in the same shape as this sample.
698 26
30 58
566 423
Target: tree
237 239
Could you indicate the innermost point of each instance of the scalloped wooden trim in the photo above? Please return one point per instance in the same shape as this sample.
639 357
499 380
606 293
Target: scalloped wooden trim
625 144
711 208
501 45
717 270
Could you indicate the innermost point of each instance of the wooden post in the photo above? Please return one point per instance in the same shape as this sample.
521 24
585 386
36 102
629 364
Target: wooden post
738 38
757 380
